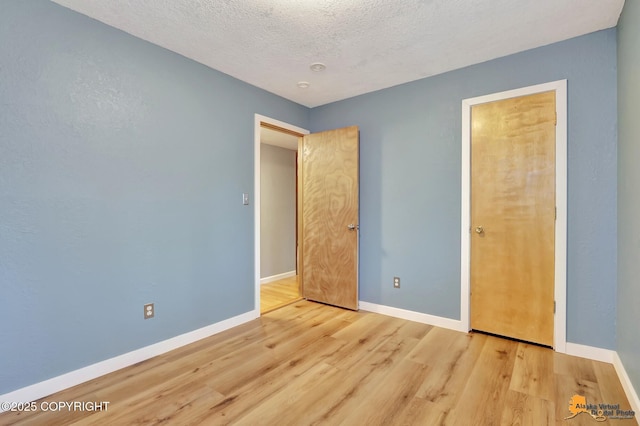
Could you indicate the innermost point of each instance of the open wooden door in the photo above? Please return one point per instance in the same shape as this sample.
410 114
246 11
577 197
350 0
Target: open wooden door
328 216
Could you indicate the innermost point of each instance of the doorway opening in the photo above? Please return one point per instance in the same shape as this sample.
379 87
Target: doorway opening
276 212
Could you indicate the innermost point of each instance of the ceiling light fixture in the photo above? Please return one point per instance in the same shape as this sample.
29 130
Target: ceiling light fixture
303 84
318 66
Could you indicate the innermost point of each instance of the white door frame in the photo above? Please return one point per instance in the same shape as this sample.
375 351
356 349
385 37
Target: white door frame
256 198
560 283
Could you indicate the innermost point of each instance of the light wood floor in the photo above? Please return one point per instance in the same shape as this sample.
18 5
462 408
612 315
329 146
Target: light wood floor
309 363
279 293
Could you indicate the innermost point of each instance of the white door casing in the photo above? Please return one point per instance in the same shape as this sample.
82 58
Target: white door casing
560 276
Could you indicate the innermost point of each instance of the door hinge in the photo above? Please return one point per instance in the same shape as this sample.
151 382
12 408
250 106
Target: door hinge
556 214
554 306
556 119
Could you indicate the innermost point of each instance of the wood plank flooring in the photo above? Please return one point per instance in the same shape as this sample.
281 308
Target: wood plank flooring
312 364
279 293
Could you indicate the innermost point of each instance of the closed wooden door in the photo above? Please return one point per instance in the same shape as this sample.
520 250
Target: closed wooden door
513 217
328 216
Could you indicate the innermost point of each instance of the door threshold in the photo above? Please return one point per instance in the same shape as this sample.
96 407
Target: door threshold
282 305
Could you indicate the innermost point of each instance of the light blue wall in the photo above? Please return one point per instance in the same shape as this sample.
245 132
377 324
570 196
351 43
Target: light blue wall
628 194
410 180
121 172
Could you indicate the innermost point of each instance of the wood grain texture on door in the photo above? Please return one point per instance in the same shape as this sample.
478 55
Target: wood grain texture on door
513 217
328 173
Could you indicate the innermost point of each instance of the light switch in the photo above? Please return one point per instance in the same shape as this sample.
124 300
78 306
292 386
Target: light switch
245 199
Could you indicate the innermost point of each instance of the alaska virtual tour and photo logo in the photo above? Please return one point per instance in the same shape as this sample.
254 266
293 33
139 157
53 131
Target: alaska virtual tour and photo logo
599 412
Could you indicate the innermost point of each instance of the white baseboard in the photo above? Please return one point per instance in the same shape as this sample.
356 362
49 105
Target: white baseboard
590 352
277 277
413 316
629 390
73 378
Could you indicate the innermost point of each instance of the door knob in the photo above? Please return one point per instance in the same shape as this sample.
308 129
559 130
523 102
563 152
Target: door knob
479 229
352 227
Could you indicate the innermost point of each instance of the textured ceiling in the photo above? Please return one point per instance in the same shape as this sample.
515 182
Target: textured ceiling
367 45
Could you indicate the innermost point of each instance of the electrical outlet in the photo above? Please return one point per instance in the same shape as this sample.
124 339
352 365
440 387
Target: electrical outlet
396 282
149 311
